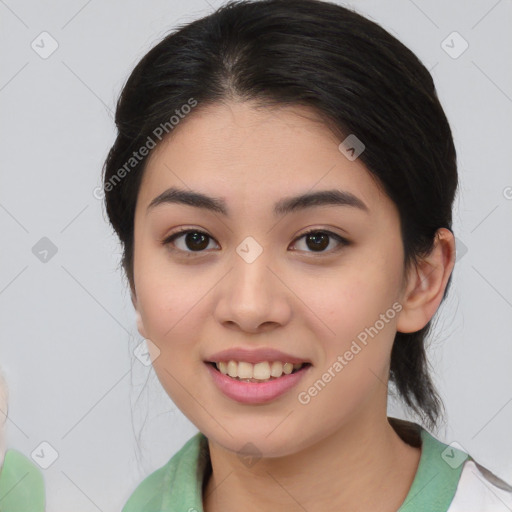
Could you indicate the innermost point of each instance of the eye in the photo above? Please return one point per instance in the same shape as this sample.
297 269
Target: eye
197 241
194 239
318 240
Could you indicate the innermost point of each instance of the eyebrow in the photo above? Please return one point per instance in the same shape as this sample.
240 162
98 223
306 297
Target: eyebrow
332 197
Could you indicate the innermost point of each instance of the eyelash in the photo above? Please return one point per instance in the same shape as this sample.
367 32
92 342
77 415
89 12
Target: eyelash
173 236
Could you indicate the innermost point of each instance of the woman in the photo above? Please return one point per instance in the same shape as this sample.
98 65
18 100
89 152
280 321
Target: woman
282 183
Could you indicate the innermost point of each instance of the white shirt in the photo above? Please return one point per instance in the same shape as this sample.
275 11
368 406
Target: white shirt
479 490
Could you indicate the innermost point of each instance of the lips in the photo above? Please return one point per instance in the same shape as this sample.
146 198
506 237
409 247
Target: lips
255 356
252 393
256 391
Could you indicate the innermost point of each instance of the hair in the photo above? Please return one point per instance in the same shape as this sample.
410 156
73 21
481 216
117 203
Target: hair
352 73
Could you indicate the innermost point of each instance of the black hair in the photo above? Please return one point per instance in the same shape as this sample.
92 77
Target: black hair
355 75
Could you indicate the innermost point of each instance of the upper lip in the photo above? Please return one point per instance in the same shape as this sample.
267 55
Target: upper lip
255 356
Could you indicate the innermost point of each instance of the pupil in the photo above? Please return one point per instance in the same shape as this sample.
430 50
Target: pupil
315 236
196 237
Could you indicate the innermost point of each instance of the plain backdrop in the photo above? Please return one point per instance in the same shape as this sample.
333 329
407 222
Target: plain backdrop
67 325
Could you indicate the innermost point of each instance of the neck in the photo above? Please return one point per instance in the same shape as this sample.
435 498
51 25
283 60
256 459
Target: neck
373 469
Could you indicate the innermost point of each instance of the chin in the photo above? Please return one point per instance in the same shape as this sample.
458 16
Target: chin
256 441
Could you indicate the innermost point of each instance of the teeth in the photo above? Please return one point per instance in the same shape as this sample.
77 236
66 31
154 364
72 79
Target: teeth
260 371
277 369
245 370
232 369
287 368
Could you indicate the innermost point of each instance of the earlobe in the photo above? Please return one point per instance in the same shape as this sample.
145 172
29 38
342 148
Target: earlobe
426 283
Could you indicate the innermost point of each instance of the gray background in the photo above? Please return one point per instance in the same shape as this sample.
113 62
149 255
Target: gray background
67 325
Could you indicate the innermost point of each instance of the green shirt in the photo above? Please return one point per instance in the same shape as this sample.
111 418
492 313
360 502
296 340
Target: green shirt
21 484
177 486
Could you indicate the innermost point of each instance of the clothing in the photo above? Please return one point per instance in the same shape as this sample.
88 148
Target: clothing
21 484
447 479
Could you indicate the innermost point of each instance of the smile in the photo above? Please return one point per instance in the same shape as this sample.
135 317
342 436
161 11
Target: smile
255 383
259 372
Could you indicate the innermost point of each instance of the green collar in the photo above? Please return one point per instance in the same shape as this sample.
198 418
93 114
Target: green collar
437 476
177 486
21 484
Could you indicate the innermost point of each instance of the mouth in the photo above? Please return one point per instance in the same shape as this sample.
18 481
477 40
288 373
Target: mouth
264 371
256 384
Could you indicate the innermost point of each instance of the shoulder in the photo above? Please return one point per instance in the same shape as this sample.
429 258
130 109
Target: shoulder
177 481
479 490
476 489
21 484
448 479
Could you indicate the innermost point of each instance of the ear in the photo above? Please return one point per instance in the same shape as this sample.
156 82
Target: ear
426 283
140 324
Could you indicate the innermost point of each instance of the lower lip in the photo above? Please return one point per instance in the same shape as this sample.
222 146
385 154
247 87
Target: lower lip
255 392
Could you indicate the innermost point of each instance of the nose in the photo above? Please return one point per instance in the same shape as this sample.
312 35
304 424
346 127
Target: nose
253 297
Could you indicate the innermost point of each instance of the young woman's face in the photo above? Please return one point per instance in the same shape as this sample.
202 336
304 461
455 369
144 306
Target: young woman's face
253 281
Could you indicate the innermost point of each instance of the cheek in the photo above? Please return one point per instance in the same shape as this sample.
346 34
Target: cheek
361 309
353 370
166 293
357 299
172 300
169 313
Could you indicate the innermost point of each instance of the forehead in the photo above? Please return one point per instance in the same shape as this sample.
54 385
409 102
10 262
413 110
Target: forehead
243 153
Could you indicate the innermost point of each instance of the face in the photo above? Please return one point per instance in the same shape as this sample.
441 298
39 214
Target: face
250 278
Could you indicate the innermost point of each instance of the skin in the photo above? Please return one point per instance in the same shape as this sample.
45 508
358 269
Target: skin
308 303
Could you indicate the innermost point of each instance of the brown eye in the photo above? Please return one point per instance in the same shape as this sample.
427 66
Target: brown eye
194 240
318 240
